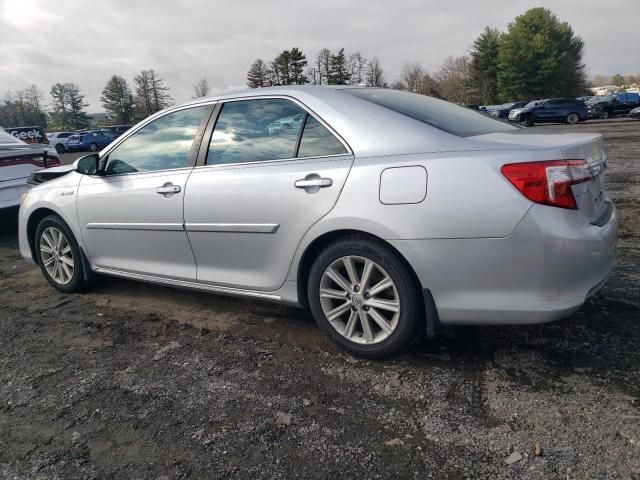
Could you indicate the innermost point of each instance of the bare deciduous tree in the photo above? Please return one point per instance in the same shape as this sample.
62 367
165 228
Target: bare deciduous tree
411 76
201 89
454 79
375 77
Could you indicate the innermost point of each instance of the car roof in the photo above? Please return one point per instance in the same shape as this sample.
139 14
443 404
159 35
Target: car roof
369 129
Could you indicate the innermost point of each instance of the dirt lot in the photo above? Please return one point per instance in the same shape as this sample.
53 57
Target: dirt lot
137 381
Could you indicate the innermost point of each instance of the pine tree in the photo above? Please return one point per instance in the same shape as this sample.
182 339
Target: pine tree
59 104
540 57
78 118
339 73
484 66
151 94
283 62
297 63
117 100
258 74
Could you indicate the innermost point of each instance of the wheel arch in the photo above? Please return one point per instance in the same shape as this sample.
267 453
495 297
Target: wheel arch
312 250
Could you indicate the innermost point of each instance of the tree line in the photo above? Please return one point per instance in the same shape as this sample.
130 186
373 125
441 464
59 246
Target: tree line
291 67
538 56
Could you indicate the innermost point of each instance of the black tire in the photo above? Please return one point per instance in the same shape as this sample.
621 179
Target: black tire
60 148
526 122
80 279
411 320
93 147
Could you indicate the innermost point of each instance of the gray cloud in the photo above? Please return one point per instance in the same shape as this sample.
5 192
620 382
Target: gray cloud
86 42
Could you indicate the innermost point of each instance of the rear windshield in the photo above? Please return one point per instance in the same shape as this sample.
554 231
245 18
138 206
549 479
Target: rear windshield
446 116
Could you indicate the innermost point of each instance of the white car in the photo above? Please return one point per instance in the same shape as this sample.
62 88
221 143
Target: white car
18 160
58 140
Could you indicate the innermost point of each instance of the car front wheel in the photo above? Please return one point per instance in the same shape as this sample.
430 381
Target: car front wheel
60 148
59 255
365 297
93 147
572 118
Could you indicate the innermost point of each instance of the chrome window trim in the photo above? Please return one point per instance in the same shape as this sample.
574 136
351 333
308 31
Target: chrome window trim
268 162
151 172
187 284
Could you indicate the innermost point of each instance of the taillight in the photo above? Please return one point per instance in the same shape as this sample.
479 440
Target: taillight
549 182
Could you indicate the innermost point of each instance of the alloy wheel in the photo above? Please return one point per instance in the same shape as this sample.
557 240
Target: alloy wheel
359 300
56 255
573 118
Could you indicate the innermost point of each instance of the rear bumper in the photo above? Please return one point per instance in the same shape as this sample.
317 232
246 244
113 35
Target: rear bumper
543 271
10 192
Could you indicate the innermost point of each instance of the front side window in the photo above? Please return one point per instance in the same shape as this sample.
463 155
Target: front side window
255 130
160 145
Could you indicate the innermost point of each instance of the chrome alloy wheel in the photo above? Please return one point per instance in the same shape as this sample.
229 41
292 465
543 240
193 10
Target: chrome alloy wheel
573 118
56 255
360 300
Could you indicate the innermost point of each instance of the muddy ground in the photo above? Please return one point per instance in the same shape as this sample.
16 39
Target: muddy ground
137 381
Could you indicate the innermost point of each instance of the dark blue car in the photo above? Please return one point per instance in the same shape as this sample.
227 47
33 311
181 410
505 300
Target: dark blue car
92 140
557 110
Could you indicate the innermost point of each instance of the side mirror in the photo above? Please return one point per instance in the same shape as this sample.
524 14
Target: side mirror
87 165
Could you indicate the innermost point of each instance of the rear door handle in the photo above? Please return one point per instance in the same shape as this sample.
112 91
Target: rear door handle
168 189
313 182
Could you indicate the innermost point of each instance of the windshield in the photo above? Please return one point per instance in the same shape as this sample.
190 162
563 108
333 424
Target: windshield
446 116
532 104
7 138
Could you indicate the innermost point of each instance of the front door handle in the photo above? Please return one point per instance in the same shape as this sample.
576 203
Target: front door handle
168 189
313 182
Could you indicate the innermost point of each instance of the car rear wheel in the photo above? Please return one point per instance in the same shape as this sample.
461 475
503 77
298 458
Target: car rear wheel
604 115
572 118
60 148
365 297
59 255
93 147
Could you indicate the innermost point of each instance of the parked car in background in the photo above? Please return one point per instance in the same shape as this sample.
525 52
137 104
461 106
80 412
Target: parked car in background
91 140
502 111
334 214
28 134
18 160
609 106
58 140
558 110
117 130
635 113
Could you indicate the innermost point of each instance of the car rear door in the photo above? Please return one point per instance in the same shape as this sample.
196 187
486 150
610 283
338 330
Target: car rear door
257 190
132 217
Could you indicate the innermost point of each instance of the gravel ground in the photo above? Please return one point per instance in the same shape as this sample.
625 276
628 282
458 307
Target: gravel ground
138 381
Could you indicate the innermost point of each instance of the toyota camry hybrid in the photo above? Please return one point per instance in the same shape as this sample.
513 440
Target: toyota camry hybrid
386 213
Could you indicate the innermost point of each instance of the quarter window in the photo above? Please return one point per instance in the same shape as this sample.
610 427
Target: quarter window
162 144
317 141
255 130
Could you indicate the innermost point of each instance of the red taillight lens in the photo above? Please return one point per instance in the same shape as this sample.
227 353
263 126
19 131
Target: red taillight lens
548 183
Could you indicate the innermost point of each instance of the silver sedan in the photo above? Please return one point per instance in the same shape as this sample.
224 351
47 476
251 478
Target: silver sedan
386 213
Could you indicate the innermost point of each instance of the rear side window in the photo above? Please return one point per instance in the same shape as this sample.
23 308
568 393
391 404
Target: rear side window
255 130
446 116
164 143
317 141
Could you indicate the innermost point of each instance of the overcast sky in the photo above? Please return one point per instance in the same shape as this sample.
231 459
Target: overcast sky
45 42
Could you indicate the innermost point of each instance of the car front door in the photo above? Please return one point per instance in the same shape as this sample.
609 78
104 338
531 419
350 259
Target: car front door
259 189
132 217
